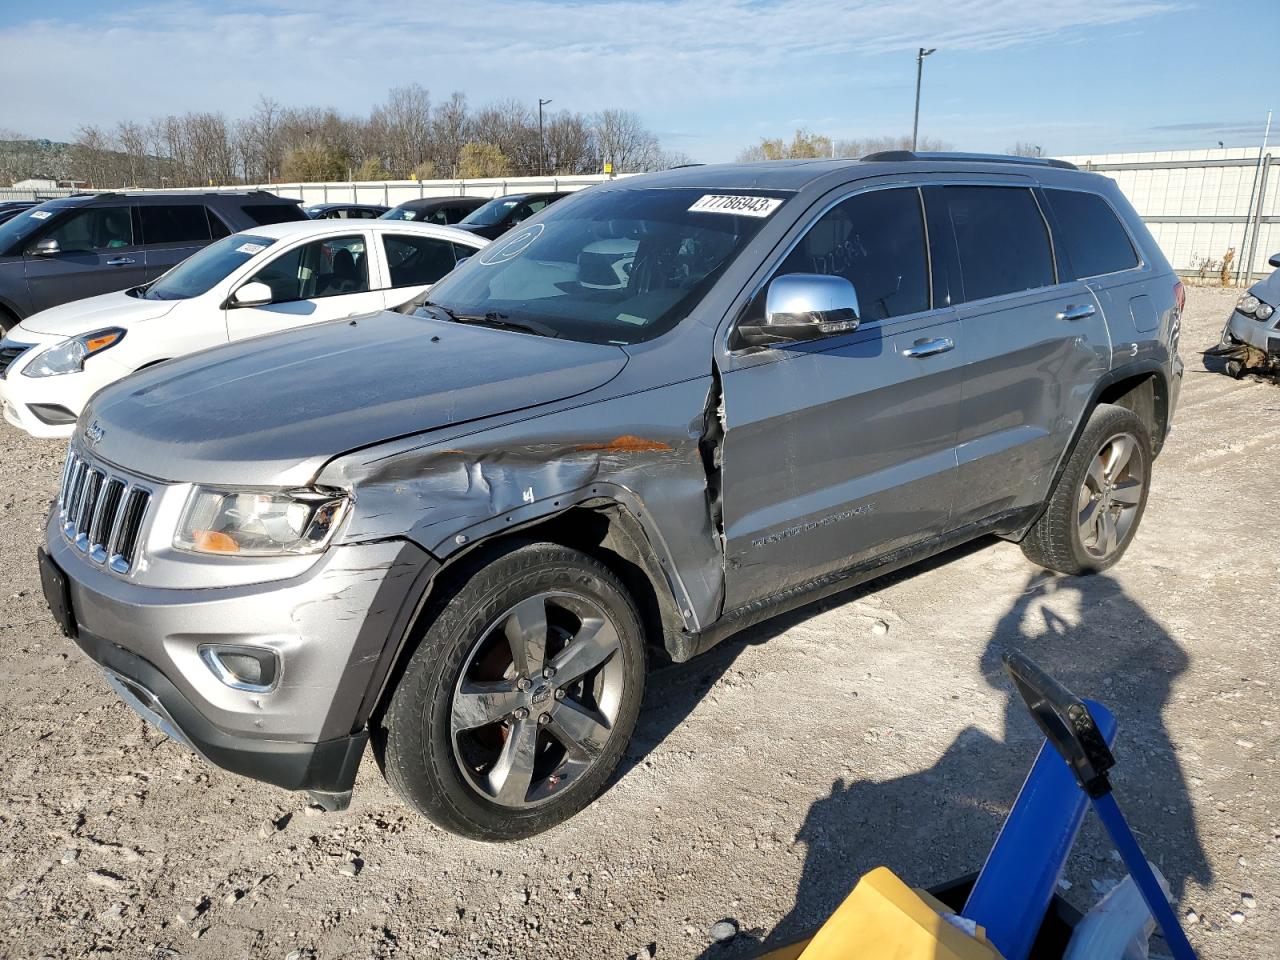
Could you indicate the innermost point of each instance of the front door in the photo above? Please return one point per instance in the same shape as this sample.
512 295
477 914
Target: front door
322 280
99 251
840 450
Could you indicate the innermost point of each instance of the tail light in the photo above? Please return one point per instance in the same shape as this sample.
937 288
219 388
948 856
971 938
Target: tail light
1180 296
1175 328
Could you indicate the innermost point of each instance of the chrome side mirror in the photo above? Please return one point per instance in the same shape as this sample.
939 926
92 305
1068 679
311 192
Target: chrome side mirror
46 248
253 294
804 306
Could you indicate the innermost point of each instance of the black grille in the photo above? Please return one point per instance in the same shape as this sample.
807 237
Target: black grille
101 513
9 352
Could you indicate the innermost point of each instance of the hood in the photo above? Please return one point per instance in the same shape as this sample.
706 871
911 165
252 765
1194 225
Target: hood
273 409
108 310
1268 289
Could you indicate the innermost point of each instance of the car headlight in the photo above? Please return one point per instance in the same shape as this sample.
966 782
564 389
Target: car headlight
1263 311
70 355
1248 303
260 523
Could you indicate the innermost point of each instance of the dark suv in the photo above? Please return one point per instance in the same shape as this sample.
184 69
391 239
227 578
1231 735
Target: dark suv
81 246
502 213
662 410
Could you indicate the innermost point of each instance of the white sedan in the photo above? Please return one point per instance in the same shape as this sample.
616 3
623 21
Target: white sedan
259 281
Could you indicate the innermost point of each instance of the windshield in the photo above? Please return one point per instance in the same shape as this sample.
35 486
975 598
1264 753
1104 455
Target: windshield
14 233
615 266
400 213
492 212
199 272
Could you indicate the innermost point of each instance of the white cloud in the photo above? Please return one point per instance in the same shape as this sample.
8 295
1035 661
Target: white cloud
672 60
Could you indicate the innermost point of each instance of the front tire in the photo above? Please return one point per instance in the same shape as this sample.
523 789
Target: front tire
519 701
1094 509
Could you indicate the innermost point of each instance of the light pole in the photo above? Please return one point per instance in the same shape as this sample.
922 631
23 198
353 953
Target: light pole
915 125
542 140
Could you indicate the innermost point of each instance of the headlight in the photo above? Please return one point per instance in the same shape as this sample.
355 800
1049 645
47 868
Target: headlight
1264 311
70 355
260 523
1248 303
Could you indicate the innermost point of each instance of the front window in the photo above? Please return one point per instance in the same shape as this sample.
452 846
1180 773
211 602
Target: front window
614 266
201 272
98 228
322 268
493 212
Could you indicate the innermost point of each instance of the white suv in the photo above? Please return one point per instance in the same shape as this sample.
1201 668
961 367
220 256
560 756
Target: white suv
262 280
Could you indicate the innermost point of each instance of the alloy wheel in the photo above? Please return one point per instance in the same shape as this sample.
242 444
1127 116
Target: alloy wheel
1111 495
537 699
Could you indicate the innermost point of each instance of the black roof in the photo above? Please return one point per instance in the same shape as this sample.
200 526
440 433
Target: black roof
348 205
430 203
168 196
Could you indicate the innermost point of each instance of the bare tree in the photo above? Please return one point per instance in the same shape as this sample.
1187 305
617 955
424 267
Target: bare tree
1023 148
861 146
623 141
403 126
803 146
570 144
449 125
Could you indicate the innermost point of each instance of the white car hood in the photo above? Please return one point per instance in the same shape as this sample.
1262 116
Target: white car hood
84 316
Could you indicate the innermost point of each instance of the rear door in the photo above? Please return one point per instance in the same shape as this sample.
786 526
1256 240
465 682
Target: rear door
173 232
1035 344
100 251
413 264
326 279
840 450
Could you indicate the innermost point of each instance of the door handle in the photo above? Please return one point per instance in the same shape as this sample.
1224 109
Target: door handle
929 348
1077 312
119 261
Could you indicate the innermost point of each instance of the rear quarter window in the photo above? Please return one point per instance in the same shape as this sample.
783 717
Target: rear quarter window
174 223
1094 238
265 213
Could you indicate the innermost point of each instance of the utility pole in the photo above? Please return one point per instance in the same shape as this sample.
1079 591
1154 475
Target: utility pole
915 125
1248 214
542 140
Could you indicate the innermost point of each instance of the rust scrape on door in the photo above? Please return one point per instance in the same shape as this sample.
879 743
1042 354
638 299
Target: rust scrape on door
627 443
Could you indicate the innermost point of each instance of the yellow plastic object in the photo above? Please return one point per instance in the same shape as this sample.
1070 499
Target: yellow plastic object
884 919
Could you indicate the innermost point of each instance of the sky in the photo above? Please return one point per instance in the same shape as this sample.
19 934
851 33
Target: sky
710 77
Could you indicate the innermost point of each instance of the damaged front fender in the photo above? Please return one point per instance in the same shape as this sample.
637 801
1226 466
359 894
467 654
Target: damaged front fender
643 451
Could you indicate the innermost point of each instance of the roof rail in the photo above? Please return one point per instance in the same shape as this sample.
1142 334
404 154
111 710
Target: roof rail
898 156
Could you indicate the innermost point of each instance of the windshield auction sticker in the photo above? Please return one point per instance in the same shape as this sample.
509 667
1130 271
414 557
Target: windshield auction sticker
250 248
736 204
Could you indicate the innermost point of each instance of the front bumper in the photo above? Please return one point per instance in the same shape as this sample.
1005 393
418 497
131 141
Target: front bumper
1261 334
47 407
334 630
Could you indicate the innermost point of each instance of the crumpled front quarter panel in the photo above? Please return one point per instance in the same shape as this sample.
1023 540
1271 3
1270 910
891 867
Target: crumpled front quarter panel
640 450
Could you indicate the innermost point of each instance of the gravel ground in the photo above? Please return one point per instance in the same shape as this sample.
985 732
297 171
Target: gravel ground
873 728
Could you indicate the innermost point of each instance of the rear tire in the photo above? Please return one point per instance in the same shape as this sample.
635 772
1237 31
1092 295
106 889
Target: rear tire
518 703
1094 509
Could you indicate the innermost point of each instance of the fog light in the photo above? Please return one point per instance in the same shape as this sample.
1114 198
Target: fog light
242 668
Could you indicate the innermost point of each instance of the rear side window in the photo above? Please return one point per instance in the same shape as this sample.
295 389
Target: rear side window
1094 238
177 223
417 260
217 228
264 213
1001 239
876 240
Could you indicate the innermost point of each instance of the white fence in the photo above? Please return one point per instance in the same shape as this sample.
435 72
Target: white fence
1199 204
386 192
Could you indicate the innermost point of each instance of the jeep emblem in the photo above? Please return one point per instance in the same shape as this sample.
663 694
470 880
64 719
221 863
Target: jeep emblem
94 433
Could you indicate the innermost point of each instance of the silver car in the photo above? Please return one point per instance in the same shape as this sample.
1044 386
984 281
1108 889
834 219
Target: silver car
1251 337
459 531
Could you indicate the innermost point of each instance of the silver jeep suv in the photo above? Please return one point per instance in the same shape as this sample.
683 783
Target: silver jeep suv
662 410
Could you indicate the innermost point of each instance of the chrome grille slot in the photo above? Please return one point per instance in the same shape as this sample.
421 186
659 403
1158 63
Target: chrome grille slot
88 502
102 514
126 540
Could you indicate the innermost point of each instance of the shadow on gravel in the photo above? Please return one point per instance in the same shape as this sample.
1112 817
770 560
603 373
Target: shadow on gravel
672 691
938 824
